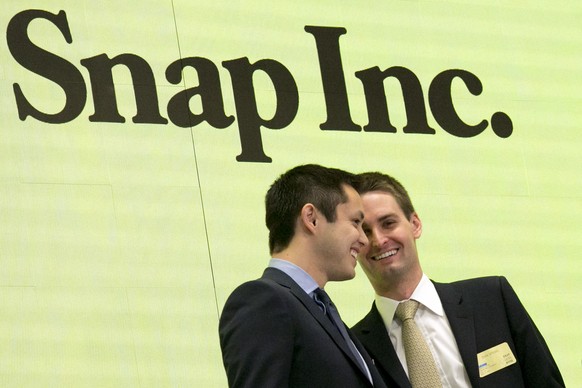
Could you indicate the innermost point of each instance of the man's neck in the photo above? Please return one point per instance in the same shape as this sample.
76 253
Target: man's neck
304 262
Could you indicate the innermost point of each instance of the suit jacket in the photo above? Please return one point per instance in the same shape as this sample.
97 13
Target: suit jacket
483 313
272 334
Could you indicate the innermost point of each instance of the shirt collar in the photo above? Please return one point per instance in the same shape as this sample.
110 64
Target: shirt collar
298 274
424 293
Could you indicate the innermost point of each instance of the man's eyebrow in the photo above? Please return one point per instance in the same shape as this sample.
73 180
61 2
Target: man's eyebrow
380 219
384 217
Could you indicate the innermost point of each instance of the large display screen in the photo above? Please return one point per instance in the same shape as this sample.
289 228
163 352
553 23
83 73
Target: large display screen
138 139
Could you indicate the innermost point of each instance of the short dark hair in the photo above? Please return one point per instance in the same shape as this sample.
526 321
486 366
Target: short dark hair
309 183
376 181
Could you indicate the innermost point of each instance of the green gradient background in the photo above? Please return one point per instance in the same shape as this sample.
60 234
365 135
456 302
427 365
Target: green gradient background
119 243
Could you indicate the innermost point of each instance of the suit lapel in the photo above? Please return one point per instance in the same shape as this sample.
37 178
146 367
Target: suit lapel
374 336
284 280
460 316
376 377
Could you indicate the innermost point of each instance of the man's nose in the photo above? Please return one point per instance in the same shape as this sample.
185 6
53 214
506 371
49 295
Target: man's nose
363 238
376 238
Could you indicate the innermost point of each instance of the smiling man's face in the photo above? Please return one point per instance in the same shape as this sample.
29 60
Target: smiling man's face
341 241
391 254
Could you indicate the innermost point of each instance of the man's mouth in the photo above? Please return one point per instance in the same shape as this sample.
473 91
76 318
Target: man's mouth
354 253
385 255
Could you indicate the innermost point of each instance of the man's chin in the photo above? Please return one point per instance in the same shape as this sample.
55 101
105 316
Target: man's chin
348 275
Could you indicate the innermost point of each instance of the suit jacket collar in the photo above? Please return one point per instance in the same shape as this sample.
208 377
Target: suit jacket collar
460 316
375 338
285 280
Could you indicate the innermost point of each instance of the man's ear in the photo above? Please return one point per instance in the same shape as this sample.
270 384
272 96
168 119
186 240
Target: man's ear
309 217
416 225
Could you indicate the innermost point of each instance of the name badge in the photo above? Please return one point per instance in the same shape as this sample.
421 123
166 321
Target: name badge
494 359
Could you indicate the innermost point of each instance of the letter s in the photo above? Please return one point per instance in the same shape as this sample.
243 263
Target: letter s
47 65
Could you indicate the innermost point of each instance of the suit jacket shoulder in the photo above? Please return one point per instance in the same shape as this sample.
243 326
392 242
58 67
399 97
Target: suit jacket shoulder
485 312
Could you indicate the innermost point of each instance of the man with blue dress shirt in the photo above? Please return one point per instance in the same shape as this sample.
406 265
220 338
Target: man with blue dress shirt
281 330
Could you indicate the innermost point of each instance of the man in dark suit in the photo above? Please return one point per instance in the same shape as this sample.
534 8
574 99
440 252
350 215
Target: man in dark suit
273 332
478 332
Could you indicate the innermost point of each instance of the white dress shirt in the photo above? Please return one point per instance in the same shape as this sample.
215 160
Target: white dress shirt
434 325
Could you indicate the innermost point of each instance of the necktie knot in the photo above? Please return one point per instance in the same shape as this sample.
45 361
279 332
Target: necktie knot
406 310
322 296
323 301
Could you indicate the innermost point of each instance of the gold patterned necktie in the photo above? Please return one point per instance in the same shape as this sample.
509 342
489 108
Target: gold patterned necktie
422 370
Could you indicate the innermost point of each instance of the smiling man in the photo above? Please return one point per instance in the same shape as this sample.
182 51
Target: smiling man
281 330
472 333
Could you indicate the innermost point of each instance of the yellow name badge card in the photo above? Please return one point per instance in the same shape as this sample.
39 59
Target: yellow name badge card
494 359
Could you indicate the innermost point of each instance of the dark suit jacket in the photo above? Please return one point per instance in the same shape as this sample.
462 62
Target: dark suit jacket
272 334
483 313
